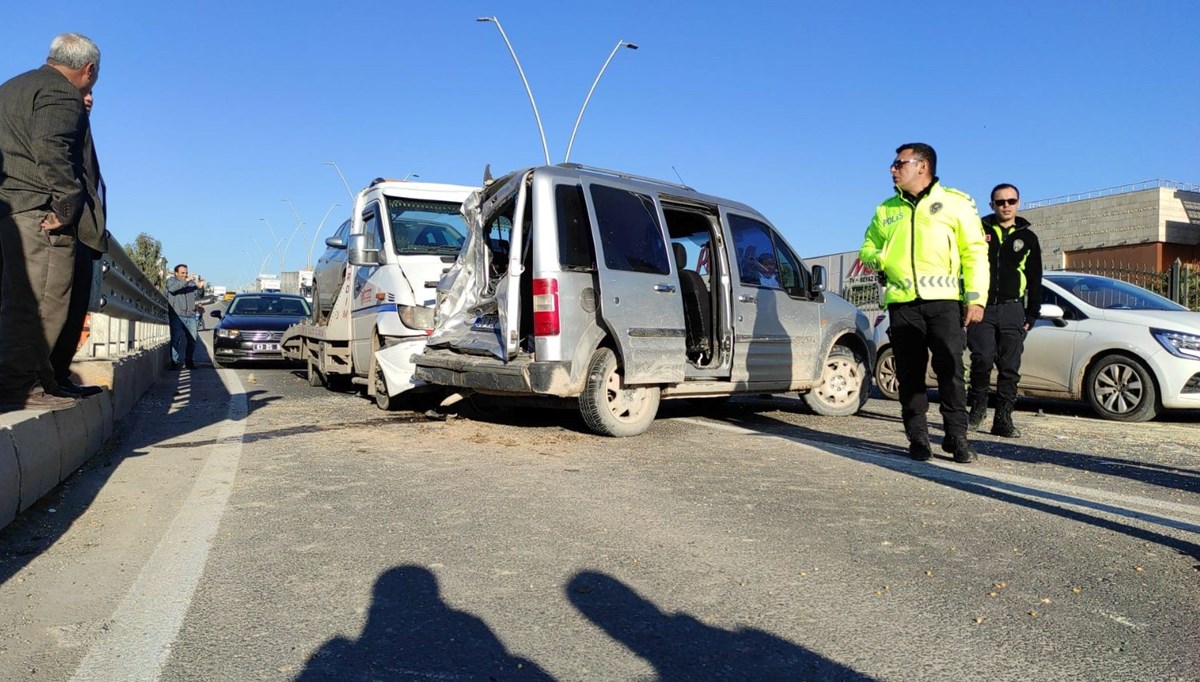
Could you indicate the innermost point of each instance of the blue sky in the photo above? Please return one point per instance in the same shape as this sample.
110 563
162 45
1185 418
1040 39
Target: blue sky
208 114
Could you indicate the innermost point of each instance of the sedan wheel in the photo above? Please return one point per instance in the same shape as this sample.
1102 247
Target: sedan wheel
1120 388
885 375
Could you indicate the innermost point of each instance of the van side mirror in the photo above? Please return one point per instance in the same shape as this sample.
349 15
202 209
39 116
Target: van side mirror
817 284
335 242
1054 313
362 251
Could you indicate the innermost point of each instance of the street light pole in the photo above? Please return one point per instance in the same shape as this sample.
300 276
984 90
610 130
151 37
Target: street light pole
318 233
343 177
263 267
619 45
299 225
537 117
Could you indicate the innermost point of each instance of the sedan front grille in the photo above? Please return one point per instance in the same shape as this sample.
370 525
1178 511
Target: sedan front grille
261 336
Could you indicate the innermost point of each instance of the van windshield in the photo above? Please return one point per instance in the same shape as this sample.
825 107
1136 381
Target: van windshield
425 227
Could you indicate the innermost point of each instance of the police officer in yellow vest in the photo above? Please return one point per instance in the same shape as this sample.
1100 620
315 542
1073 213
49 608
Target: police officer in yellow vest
928 243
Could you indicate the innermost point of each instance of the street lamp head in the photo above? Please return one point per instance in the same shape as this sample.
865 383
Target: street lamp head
491 19
632 46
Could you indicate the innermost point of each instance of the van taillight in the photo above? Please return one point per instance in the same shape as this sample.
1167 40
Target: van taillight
545 307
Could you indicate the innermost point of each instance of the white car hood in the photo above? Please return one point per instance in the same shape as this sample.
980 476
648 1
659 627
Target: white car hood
1174 320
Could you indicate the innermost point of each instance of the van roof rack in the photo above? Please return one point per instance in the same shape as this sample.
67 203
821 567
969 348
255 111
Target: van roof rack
627 176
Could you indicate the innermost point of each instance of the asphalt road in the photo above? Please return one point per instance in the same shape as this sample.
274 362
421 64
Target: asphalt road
246 526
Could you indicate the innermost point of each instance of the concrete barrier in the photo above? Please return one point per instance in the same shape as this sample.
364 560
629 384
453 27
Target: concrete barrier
39 449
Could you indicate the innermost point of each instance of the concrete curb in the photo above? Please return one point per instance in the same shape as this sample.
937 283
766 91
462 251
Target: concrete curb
39 449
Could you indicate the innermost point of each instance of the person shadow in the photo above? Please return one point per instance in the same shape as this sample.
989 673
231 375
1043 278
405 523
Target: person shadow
680 647
411 633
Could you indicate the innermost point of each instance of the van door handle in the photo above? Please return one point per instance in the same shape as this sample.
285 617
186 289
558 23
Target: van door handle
664 288
747 299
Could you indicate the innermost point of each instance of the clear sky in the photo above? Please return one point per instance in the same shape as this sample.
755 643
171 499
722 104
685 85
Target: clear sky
210 113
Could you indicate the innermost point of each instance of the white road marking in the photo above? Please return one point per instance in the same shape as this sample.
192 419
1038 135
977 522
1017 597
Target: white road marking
1161 512
148 619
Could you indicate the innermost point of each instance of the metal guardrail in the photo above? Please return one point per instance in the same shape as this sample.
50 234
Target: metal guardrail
127 312
1110 191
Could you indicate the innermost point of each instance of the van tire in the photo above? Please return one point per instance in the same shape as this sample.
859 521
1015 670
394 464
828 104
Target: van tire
885 375
844 384
608 407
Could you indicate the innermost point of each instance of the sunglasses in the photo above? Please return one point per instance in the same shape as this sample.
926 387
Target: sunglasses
899 163
1005 202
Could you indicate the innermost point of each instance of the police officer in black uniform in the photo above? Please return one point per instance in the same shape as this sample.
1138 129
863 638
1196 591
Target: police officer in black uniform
1014 298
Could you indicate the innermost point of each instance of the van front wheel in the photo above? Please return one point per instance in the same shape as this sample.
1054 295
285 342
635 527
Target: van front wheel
608 406
844 384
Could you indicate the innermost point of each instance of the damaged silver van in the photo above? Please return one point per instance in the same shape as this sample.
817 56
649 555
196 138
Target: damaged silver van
617 291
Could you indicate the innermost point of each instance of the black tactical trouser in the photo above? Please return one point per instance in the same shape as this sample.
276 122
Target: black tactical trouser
997 341
920 329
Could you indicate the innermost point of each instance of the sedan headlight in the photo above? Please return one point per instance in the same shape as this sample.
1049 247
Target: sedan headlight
227 333
416 317
1179 344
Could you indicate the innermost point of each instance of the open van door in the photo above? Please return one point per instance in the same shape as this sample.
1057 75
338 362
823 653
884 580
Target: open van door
639 289
508 290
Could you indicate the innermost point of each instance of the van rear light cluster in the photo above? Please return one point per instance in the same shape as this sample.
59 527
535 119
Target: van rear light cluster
545 307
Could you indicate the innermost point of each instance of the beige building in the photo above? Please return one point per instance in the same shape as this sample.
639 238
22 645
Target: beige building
1144 225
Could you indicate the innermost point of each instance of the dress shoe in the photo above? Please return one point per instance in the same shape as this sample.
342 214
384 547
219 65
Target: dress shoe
191 365
38 401
962 450
80 391
174 366
919 450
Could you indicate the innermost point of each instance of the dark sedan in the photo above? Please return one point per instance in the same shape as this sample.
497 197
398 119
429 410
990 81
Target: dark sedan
253 324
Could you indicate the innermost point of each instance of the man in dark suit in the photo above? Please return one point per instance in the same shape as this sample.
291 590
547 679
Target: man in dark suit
45 204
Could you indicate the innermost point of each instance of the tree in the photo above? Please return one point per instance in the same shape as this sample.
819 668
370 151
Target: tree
146 253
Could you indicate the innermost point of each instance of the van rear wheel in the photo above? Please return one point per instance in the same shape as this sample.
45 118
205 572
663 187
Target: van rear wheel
608 406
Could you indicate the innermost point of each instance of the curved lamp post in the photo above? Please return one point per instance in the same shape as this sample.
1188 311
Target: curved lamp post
537 117
299 226
263 267
318 233
619 45
343 177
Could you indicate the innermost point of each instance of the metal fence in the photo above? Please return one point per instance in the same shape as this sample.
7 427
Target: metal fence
1180 282
128 313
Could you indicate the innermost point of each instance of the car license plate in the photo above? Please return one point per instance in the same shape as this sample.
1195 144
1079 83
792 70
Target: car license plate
266 346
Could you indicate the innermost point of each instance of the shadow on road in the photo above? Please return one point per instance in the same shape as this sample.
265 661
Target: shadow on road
179 403
964 478
412 634
680 647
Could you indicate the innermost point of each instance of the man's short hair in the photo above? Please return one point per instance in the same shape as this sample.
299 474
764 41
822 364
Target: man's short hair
73 50
181 265
1003 185
922 151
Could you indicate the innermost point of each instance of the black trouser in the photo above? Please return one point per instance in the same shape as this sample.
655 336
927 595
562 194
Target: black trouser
919 329
997 341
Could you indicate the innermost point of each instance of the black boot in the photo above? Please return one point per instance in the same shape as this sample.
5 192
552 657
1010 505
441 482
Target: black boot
978 412
958 446
1002 423
918 442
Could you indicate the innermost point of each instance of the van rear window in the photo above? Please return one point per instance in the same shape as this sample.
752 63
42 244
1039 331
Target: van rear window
574 229
630 234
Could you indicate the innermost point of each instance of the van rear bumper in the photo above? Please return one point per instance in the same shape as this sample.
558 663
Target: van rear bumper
489 375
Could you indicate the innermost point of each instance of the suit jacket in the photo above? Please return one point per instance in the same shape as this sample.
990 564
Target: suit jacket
43 128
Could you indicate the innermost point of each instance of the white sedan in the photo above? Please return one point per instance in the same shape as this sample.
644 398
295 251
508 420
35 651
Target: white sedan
1128 352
